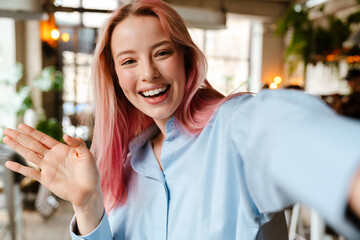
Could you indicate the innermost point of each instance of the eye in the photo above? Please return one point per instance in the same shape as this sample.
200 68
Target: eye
163 53
128 62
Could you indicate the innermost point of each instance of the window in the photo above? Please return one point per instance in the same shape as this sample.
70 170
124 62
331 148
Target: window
76 57
227 53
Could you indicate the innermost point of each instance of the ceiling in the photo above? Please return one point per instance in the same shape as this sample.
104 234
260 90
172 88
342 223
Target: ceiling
202 13
256 8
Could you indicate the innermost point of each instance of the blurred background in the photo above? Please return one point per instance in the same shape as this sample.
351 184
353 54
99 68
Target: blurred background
46 51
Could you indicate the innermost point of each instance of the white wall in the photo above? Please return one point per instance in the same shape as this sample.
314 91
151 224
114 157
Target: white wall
256 48
7 61
272 55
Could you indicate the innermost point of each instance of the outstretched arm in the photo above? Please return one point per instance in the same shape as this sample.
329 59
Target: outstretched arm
68 170
309 155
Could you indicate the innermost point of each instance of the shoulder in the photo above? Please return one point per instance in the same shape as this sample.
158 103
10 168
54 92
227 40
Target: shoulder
233 103
223 117
288 95
281 95
285 102
268 104
275 100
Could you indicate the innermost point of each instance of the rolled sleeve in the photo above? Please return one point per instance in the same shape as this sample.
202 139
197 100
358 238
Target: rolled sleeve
102 231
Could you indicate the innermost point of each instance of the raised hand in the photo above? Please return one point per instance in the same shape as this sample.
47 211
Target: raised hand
68 170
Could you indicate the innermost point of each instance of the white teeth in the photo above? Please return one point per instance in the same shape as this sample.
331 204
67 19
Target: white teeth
153 92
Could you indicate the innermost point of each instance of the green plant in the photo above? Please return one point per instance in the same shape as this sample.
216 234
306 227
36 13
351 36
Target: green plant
310 43
48 79
22 99
296 21
51 127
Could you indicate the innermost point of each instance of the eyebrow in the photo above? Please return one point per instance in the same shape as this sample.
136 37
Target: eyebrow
160 44
152 48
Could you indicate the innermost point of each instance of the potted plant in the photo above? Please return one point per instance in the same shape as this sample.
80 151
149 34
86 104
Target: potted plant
309 42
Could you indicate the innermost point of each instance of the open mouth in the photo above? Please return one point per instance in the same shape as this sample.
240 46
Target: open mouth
155 92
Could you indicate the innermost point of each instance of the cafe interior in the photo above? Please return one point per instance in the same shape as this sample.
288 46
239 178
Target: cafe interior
46 50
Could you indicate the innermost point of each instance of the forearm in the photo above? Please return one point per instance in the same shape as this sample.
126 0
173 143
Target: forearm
354 196
89 216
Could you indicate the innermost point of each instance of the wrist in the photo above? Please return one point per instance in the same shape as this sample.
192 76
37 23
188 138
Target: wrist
89 215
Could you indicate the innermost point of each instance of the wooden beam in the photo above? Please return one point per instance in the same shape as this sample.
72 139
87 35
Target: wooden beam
21 5
263 9
202 17
20 15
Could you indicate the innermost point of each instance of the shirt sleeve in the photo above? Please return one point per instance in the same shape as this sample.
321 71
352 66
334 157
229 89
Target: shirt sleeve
298 150
102 231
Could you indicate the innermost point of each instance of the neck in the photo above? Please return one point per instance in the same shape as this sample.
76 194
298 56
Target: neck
161 123
159 139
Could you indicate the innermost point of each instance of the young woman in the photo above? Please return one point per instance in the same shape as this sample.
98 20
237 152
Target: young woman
177 160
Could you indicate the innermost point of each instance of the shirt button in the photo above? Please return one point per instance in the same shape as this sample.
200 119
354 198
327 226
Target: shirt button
171 124
168 147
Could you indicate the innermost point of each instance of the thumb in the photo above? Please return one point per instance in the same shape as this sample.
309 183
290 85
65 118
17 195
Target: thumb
77 143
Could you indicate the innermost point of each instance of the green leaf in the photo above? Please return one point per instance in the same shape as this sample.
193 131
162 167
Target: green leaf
49 79
51 127
24 100
13 75
354 17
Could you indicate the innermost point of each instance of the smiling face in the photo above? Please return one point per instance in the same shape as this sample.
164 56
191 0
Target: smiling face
150 69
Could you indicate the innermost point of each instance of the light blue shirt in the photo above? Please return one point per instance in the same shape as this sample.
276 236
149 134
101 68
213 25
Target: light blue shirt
257 156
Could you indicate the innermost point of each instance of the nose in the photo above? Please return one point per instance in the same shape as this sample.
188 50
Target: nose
149 71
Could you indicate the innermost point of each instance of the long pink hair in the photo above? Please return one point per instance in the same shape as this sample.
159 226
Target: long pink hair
117 121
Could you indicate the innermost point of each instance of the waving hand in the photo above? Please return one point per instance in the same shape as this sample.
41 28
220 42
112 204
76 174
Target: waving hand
68 170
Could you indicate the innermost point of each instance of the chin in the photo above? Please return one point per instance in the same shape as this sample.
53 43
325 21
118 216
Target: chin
161 116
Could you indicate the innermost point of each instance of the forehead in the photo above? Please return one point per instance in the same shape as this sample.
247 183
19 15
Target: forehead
136 32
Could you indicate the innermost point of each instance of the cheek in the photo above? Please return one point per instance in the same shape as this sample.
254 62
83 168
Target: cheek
126 82
177 68
180 72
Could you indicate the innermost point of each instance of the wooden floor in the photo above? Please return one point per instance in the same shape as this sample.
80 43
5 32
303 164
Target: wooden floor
54 228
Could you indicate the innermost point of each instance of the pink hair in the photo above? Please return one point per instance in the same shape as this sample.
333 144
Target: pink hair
117 121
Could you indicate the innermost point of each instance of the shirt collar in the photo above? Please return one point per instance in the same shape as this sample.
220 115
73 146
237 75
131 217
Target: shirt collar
139 140
172 128
142 160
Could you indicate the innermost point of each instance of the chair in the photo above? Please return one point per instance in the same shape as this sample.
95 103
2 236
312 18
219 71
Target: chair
11 196
317 230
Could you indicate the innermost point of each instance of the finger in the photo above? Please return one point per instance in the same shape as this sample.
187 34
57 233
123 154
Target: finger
26 171
23 151
48 141
27 141
76 143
